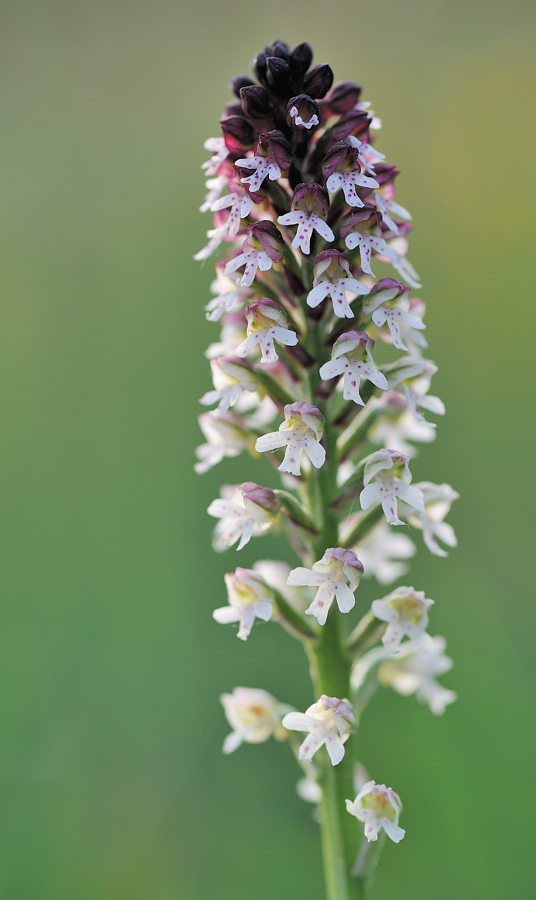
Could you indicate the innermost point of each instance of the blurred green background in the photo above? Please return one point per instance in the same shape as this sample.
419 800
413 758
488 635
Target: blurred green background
113 786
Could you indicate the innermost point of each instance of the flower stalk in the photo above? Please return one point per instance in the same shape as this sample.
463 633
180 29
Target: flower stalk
305 213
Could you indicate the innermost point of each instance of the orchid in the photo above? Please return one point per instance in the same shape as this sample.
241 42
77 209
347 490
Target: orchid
231 377
336 575
243 511
387 479
415 671
249 598
352 358
300 433
254 716
267 323
378 807
388 303
334 278
328 722
406 612
309 210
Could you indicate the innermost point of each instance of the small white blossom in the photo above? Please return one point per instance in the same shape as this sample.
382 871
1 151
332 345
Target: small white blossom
226 296
230 377
328 722
413 338
384 198
367 154
381 552
215 187
276 574
414 672
243 511
215 236
387 479
219 153
224 437
378 807
411 377
249 598
333 278
263 167
367 243
239 204
398 247
309 790
396 426
254 715
337 575
306 225
352 358
406 611
297 119
252 259
232 334
267 323
348 182
300 433
260 250
438 499
388 302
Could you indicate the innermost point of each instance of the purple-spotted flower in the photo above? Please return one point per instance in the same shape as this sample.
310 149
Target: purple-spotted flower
411 377
254 715
388 303
225 437
387 479
378 807
367 154
328 721
333 277
238 202
413 671
249 598
384 197
302 112
300 433
362 229
231 376
341 168
438 499
336 575
243 511
261 250
267 323
271 158
406 612
352 358
309 212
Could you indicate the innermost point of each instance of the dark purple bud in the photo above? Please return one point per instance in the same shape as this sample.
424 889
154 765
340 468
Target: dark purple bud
343 96
280 49
318 81
303 112
258 65
269 237
278 76
239 81
238 134
255 101
366 217
355 121
312 198
274 143
233 108
262 496
341 157
384 173
301 58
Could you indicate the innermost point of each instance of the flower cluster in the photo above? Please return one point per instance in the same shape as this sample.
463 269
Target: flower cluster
312 278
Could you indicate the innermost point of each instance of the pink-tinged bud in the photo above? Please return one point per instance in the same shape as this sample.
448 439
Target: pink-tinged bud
238 82
275 144
318 81
340 707
312 198
268 309
394 287
361 219
238 134
278 76
355 339
262 496
332 262
308 412
341 157
301 58
303 112
343 96
355 121
269 237
347 558
255 101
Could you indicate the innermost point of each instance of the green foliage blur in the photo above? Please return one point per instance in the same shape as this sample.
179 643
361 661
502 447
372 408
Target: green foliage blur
113 785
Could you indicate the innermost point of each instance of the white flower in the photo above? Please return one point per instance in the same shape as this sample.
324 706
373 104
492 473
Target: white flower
384 198
227 294
305 123
267 323
215 187
276 574
396 426
309 790
263 167
348 181
355 231
260 250
367 154
337 575
300 433
333 278
378 807
230 377
388 302
239 204
254 715
411 377
215 236
328 722
381 551
252 259
406 611
352 358
309 211
398 247
438 499
387 478
224 437
232 334
243 511
414 339
249 598
219 153
414 672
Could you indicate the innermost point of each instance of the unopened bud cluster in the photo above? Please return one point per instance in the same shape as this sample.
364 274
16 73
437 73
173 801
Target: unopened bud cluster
312 274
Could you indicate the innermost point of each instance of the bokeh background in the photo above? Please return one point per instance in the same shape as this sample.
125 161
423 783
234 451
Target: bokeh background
113 786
